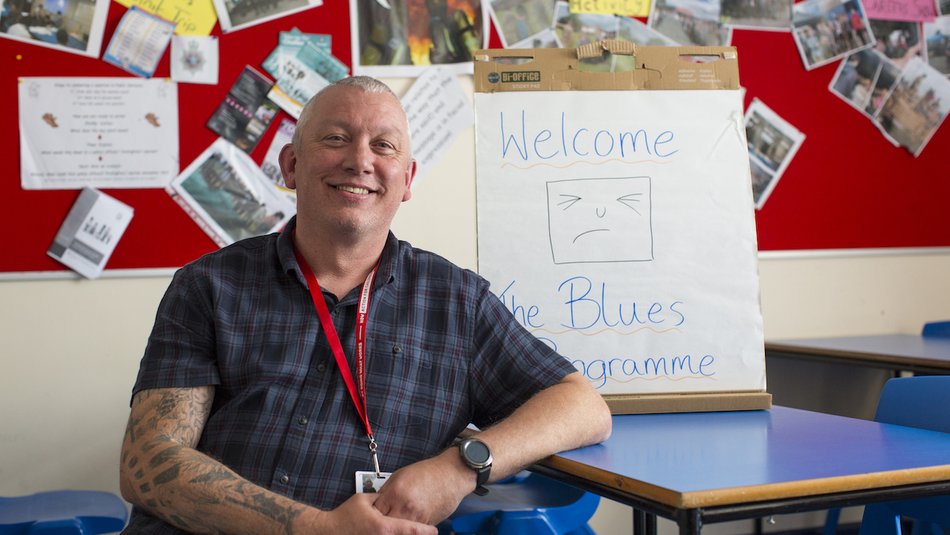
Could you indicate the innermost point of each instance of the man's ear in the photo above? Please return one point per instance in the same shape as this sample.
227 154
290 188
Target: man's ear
410 175
288 165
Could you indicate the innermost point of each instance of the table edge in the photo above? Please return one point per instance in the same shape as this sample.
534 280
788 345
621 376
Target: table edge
748 494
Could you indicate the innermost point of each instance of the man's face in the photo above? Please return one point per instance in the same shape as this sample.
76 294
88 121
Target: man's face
352 165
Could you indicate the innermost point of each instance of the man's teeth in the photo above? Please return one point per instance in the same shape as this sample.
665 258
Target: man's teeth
351 189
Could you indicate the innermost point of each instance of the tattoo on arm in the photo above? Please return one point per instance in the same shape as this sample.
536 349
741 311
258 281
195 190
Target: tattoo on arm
183 486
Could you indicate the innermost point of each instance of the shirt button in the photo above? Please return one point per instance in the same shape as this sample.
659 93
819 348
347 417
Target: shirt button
285 479
302 420
321 367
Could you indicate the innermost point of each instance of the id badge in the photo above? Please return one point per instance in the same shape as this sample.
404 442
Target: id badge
368 481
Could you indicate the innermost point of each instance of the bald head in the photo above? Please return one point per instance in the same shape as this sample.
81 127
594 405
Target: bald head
366 84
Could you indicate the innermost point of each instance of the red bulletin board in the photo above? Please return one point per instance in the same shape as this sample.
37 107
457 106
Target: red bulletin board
846 188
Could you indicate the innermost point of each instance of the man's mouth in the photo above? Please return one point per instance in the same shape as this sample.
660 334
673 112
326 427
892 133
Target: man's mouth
353 189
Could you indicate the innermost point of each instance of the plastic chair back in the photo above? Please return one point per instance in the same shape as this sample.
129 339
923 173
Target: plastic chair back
937 328
524 504
920 402
62 512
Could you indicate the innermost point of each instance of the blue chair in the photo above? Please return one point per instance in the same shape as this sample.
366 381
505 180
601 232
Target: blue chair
920 402
937 328
524 504
62 512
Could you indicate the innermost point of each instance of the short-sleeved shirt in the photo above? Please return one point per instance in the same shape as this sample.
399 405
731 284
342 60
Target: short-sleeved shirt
442 352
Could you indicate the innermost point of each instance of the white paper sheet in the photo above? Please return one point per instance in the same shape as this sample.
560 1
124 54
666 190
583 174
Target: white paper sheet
194 59
438 110
97 132
618 227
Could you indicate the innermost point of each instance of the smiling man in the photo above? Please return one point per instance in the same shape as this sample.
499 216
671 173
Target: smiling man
314 380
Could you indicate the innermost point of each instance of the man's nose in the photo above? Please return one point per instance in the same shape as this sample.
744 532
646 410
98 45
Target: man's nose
359 158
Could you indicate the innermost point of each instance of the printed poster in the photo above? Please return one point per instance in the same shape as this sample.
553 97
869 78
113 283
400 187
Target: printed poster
98 132
229 197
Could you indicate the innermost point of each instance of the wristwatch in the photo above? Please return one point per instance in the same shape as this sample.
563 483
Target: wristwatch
477 456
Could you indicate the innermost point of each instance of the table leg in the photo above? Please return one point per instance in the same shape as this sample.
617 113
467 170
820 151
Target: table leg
643 523
690 521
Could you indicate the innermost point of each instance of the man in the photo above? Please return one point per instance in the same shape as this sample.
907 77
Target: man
243 422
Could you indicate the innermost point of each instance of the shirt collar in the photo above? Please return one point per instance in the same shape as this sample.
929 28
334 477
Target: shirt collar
388 262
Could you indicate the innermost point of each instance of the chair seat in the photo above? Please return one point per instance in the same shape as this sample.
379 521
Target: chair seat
62 512
525 504
914 402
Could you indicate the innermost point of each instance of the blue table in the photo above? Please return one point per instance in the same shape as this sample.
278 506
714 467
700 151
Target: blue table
697 468
898 352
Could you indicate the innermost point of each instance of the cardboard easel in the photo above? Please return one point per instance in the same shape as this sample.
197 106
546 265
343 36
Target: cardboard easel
548 123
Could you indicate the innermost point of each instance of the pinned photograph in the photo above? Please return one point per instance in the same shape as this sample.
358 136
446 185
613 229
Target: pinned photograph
763 182
70 25
898 40
229 197
545 39
854 81
637 32
772 142
577 29
886 78
826 30
690 22
937 39
238 14
916 106
519 21
757 14
403 37
194 59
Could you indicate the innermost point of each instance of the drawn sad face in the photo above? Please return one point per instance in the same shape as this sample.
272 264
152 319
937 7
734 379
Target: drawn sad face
600 220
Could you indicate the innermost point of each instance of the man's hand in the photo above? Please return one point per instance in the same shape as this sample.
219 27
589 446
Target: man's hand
427 491
358 516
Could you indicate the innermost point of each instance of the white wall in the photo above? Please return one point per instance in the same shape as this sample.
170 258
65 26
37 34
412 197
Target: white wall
70 348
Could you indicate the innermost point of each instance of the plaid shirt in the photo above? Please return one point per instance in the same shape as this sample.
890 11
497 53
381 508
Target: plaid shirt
442 352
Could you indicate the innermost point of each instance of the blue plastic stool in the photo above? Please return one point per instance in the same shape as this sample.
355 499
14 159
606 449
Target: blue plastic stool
524 504
63 512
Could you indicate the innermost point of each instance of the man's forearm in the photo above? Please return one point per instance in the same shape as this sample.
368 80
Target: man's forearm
162 473
564 416
196 493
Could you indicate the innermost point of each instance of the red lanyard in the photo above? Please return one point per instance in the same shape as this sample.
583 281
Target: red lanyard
362 313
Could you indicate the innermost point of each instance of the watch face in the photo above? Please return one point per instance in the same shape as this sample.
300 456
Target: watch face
477 452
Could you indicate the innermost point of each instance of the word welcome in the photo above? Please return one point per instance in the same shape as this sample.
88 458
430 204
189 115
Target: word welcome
569 141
